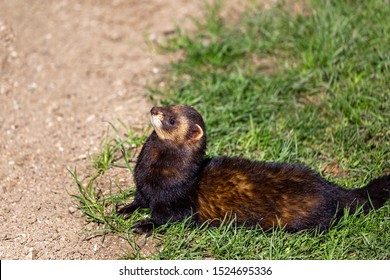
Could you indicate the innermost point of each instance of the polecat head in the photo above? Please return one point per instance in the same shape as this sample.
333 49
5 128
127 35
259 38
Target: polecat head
180 124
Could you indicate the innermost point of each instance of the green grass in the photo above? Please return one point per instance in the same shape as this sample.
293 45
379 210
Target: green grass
311 88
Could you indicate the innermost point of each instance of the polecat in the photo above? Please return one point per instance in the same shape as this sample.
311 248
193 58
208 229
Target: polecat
175 180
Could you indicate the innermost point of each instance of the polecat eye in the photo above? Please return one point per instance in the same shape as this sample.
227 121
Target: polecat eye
172 121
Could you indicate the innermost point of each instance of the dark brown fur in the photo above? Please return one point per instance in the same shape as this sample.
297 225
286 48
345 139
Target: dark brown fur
175 181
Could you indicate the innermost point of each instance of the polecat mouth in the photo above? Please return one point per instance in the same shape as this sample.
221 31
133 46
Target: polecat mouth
156 121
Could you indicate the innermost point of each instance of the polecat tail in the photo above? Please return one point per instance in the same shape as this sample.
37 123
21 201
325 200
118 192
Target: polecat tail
373 195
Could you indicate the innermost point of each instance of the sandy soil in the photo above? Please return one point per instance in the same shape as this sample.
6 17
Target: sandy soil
66 68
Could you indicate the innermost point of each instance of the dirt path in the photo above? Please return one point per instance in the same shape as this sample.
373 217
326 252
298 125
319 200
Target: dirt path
67 66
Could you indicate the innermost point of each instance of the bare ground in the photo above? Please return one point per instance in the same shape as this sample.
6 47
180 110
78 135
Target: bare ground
66 68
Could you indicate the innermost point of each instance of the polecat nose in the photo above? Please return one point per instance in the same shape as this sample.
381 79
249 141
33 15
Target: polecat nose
154 111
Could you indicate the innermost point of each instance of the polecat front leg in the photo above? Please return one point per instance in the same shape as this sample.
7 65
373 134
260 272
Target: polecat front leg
126 211
144 226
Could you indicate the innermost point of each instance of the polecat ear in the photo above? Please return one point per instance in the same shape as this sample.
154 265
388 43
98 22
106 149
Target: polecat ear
197 133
